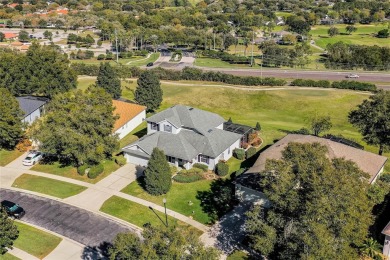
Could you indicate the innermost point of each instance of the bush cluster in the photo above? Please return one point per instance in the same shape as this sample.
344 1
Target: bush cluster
202 166
82 168
222 169
250 152
344 84
239 153
187 176
120 160
224 56
95 171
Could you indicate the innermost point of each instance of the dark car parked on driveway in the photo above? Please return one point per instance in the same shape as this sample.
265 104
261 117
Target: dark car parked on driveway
13 210
150 64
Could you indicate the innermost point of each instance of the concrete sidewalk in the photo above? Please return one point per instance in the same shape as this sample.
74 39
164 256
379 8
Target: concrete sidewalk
66 250
18 163
22 254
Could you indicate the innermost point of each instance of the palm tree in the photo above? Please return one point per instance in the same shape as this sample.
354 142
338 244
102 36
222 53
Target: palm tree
370 247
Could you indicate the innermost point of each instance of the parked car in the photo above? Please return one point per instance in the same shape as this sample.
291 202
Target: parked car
32 158
353 76
150 64
13 210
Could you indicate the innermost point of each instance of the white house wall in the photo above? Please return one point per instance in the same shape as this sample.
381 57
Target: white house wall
131 125
386 247
228 153
32 117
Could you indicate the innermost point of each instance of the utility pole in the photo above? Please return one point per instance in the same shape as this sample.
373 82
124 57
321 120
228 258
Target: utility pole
253 43
116 47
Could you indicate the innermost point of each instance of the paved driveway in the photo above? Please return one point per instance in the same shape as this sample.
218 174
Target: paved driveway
80 225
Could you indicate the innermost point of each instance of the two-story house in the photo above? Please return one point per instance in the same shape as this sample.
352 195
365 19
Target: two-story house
187 136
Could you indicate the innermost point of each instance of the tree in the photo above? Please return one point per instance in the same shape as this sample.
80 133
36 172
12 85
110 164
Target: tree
332 31
8 232
2 37
78 127
372 118
320 124
23 36
148 91
157 173
258 126
48 35
313 213
383 33
109 80
350 29
10 120
160 243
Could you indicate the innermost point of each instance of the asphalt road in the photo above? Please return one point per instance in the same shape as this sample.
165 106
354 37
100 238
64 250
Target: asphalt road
80 225
382 77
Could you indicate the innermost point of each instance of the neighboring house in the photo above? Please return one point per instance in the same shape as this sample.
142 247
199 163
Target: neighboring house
386 245
187 136
130 116
370 163
33 107
10 36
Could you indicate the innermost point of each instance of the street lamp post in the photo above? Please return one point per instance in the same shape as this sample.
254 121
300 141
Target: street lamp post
165 206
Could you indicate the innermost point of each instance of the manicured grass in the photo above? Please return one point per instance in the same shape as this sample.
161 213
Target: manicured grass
217 63
8 156
71 172
142 61
178 198
365 35
34 241
47 186
137 214
8 256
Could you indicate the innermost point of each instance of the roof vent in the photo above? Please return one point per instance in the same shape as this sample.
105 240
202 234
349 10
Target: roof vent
191 108
210 130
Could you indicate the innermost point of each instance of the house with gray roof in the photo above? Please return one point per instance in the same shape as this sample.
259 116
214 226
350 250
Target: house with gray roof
247 184
187 136
33 107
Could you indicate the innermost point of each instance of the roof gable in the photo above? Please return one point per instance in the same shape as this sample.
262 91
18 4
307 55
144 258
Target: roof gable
30 103
126 111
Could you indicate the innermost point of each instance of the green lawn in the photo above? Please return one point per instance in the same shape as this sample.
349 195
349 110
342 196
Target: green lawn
137 214
34 241
217 63
364 35
47 186
71 172
8 156
8 256
178 198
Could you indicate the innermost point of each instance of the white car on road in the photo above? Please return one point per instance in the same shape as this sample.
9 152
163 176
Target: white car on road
32 158
353 76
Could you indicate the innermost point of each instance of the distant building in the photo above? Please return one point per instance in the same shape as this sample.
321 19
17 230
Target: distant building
33 107
130 116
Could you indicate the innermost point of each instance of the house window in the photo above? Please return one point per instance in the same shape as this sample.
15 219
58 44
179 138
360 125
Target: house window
168 128
171 159
154 126
203 158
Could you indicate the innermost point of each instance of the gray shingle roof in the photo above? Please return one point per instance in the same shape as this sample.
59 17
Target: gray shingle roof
188 144
368 162
184 116
29 103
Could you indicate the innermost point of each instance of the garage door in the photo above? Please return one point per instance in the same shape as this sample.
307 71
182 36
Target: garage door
137 160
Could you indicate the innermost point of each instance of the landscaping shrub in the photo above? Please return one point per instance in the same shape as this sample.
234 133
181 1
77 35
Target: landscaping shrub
385 177
23 145
311 83
239 171
101 57
204 167
222 169
95 171
239 153
82 168
257 142
250 152
355 85
120 160
187 176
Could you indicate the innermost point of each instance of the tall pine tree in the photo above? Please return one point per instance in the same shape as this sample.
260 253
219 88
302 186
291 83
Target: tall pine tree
158 174
109 80
10 120
149 92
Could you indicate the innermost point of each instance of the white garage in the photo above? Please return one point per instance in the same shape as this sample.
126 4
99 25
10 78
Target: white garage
136 157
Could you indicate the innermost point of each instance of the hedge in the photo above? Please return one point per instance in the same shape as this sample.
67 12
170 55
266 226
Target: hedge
95 171
344 84
239 153
250 152
222 169
120 160
82 168
204 167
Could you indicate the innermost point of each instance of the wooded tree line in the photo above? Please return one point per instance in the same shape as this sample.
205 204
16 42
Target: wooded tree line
41 71
347 56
